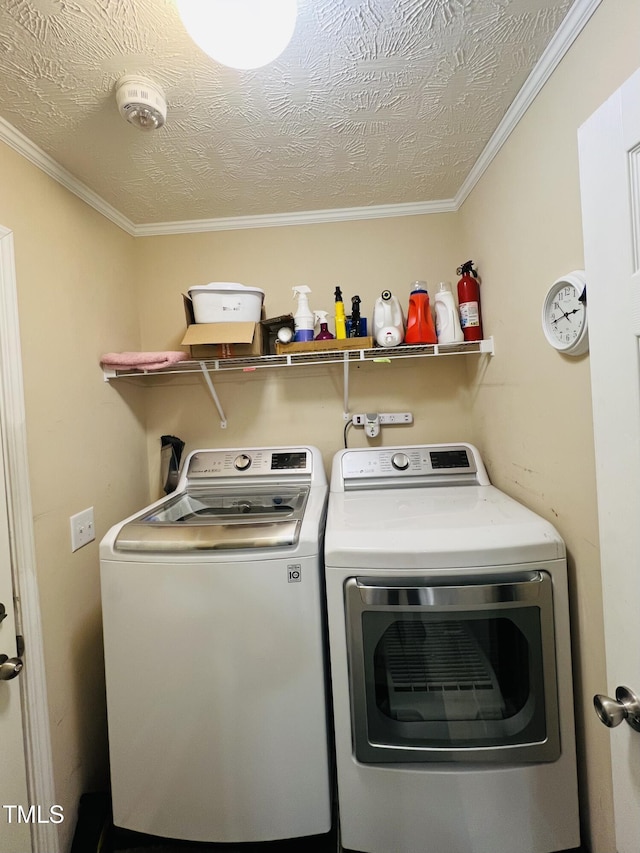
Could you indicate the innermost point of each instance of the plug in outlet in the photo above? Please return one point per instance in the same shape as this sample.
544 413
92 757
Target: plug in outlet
82 528
372 425
384 419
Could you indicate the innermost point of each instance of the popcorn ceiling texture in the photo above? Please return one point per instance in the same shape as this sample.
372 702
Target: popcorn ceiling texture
374 102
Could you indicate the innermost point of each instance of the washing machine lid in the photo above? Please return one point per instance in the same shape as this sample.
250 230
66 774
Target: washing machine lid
224 519
430 528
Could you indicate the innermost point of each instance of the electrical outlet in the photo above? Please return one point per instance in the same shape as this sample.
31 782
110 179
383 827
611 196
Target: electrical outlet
82 528
396 418
388 418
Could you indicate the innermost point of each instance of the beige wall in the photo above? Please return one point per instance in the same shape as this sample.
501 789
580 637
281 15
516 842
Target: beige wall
532 409
298 404
85 442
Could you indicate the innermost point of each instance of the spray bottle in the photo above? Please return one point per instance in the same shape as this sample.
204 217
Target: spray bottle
447 320
324 334
469 302
341 320
388 325
355 331
303 318
420 328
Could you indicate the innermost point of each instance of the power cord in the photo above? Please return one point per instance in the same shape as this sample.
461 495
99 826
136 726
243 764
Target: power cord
346 427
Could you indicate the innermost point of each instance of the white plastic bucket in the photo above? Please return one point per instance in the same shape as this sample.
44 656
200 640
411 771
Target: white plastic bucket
226 302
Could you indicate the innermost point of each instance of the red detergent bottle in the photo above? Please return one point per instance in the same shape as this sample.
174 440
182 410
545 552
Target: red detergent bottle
469 302
420 325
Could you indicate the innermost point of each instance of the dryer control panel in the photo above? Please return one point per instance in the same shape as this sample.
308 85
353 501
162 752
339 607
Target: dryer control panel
420 465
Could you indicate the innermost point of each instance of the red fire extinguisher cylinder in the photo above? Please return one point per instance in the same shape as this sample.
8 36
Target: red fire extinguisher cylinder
469 302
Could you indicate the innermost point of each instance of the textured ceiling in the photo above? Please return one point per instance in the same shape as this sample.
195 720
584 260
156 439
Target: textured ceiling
374 102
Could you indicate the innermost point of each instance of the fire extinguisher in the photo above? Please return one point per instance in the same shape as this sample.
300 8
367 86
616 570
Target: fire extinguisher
469 302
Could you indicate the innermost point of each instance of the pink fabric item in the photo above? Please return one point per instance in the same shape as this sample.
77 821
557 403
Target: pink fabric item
142 360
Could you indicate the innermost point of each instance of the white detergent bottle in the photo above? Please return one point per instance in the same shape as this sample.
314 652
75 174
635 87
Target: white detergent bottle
303 319
448 326
388 324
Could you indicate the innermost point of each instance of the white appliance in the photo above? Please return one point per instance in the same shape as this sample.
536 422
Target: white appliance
213 606
450 659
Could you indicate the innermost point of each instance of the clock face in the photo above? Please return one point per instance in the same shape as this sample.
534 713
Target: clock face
564 316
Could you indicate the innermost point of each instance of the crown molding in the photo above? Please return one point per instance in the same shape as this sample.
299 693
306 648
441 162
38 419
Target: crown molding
573 24
575 20
308 217
31 152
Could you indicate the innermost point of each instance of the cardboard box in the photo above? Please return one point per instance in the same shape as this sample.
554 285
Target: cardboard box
336 345
221 340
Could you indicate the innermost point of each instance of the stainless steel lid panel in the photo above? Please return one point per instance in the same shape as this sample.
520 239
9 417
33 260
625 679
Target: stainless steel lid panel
204 507
141 537
226 519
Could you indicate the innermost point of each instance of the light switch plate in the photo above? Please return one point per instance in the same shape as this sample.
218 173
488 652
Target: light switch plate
82 528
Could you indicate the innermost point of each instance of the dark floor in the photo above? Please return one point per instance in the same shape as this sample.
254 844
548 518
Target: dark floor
130 842
95 833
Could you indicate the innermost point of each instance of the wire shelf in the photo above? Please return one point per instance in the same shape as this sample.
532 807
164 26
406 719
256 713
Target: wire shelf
207 367
295 359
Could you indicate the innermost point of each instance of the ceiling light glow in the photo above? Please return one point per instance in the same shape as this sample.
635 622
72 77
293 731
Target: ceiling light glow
241 34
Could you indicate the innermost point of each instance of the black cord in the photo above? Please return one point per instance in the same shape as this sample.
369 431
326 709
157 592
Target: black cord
346 427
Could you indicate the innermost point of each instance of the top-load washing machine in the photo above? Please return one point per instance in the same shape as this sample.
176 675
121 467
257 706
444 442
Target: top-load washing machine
213 613
450 659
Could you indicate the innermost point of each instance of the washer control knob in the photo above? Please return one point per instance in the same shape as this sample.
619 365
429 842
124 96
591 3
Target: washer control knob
400 461
242 462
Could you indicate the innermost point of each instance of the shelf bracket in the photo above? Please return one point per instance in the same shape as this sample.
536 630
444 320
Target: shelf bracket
212 390
345 399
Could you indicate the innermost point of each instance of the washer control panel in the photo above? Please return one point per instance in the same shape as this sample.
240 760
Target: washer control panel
435 464
204 464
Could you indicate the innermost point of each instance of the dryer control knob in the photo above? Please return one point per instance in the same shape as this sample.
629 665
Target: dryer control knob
242 462
400 461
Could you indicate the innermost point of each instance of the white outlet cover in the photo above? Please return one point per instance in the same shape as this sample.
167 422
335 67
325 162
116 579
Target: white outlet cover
82 528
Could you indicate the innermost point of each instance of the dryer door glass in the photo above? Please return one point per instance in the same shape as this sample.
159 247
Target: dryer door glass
443 673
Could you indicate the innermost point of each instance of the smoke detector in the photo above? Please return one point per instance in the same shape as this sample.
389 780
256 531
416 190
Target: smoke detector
141 102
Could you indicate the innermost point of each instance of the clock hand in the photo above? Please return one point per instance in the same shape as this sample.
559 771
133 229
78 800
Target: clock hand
565 314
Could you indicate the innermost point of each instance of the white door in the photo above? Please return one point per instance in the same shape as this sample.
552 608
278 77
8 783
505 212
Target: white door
15 836
26 769
14 831
609 144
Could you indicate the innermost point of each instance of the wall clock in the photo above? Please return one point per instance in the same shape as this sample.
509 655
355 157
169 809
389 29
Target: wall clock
564 314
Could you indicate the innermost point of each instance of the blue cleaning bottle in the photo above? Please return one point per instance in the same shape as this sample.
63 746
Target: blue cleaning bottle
303 319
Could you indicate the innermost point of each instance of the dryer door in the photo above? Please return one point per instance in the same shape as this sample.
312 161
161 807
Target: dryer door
453 673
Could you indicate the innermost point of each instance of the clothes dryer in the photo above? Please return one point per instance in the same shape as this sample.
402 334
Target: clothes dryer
450 659
214 640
